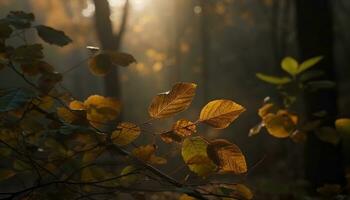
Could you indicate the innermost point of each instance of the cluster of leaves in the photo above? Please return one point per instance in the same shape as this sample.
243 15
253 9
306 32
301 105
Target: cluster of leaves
281 122
48 139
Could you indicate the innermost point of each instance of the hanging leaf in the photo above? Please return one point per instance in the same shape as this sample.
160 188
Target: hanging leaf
101 109
194 153
280 125
266 109
52 36
227 156
172 102
100 64
220 113
125 134
146 153
184 127
274 79
309 63
290 65
129 176
343 126
12 99
121 59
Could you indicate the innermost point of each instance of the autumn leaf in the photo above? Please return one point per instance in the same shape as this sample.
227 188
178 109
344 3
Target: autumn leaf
265 109
220 113
280 125
120 58
101 109
238 191
125 134
11 99
184 127
176 100
194 153
227 156
343 126
100 64
146 153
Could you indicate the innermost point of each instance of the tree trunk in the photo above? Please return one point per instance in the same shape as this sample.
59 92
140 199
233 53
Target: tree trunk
324 163
110 41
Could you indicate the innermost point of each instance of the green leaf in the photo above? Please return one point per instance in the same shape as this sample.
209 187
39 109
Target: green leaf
52 36
194 153
12 99
20 19
273 79
309 63
290 65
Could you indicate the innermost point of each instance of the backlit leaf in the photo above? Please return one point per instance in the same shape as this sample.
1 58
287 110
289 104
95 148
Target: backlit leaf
265 109
220 113
146 153
52 36
309 63
290 65
280 125
227 156
172 102
125 134
343 126
193 148
274 79
184 127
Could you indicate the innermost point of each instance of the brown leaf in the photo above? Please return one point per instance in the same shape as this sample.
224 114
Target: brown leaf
184 127
172 102
121 59
220 113
125 134
227 156
170 137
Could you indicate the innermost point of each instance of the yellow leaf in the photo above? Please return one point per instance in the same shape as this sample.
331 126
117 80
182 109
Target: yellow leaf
172 102
184 127
220 113
290 65
227 156
101 109
70 116
125 134
309 63
280 125
146 153
6 174
265 109
92 155
343 126
129 176
195 150
76 105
